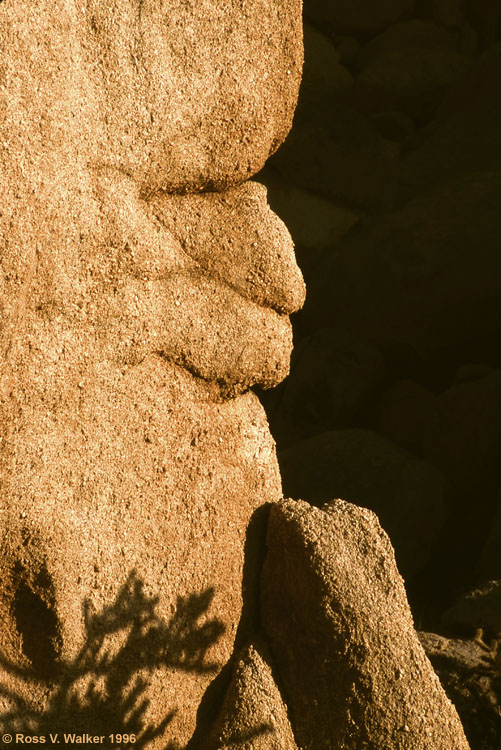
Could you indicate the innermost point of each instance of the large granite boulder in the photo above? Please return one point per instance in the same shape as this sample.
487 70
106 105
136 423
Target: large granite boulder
131 321
183 96
335 611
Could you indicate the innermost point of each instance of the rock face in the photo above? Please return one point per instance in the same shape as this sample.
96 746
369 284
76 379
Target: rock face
335 611
133 314
200 108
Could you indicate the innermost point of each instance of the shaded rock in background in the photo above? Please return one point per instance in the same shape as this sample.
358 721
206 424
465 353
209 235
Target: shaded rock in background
471 676
480 608
425 278
447 13
411 80
477 92
325 80
394 126
466 139
406 493
403 35
485 16
405 412
345 159
355 16
453 151
490 561
459 431
315 222
348 48
464 437
333 378
253 715
335 612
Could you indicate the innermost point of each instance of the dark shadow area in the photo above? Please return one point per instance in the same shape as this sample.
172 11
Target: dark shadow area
390 184
248 627
104 688
36 621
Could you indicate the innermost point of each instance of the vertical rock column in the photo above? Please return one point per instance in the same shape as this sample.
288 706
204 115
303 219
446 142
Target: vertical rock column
138 307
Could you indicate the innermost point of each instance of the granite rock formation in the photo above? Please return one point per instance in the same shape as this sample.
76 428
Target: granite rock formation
136 306
145 287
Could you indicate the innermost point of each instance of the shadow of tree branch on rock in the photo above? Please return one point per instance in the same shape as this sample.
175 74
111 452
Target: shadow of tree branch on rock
104 688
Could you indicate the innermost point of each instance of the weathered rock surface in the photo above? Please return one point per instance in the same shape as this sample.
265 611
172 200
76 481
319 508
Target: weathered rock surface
237 239
369 470
180 111
335 611
253 715
143 471
129 317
